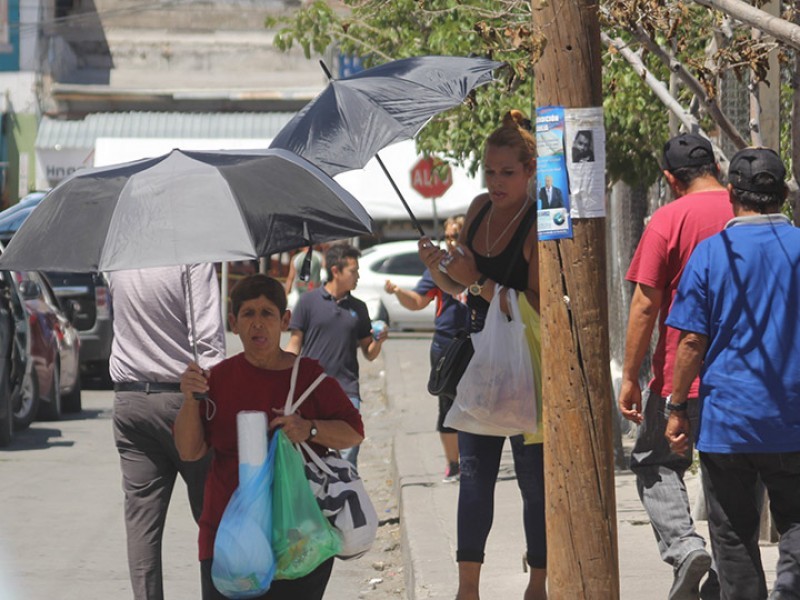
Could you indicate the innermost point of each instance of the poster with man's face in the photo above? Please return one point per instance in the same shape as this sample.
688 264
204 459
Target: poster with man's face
583 146
552 186
585 141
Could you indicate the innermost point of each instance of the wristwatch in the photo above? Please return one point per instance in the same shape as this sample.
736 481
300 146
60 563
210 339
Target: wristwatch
313 433
669 406
476 287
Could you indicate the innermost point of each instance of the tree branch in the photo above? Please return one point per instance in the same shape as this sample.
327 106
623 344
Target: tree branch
658 87
691 82
756 138
660 90
780 29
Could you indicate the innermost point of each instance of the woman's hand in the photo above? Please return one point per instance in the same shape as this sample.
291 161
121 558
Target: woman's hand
461 266
430 253
296 428
194 380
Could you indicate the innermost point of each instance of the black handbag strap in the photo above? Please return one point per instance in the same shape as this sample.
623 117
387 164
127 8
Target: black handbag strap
527 222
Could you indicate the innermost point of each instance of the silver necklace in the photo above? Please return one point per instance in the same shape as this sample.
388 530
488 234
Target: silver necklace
490 247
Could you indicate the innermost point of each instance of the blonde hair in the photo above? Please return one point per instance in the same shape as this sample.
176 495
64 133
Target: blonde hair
515 133
454 220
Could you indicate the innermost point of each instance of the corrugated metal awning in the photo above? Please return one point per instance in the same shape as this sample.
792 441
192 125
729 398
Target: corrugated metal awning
58 133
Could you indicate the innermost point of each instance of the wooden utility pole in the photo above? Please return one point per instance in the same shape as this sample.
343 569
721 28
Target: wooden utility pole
579 459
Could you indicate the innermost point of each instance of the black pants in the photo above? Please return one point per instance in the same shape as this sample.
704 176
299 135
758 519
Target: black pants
310 587
732 494
438 345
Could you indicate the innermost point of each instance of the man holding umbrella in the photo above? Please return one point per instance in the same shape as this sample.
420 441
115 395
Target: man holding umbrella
151 348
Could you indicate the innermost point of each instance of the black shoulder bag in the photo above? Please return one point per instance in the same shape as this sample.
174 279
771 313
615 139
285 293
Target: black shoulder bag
450 367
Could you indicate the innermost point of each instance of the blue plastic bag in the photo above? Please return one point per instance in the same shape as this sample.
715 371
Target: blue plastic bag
301 535
244 563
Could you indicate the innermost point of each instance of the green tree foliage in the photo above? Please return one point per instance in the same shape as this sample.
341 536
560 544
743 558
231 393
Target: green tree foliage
636 121
380 31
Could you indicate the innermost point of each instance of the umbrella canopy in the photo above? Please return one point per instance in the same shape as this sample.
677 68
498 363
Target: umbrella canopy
353 118
183 208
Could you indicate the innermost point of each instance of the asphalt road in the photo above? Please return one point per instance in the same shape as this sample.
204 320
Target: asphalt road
61 526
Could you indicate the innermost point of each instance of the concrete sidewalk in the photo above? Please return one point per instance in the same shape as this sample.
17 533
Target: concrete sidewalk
428 505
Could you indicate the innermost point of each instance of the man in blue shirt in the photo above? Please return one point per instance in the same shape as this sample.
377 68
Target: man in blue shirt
738 308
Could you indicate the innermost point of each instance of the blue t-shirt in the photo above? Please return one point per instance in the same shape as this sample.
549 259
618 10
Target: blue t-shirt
332 331
452 315
741 289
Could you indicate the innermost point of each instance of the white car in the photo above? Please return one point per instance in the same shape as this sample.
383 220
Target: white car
399 262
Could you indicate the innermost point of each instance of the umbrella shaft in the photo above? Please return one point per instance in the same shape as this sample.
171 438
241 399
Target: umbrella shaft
402 199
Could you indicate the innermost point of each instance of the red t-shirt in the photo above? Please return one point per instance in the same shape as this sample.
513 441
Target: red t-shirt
667 242
236 385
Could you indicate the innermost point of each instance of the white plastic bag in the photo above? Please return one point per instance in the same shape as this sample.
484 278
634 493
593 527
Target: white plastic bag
498 386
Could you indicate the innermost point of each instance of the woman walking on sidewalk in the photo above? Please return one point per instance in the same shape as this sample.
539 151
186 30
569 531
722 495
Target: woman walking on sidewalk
497 246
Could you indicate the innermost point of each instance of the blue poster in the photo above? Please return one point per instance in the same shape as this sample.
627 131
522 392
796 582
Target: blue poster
552 184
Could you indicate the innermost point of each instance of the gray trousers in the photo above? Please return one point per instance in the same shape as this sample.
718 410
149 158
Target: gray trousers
150 464
659 480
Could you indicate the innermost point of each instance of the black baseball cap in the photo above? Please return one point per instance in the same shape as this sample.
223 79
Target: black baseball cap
688 150
757 170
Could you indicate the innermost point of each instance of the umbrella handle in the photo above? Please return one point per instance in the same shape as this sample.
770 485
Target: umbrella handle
193 329
400 194
305 270
191 312
325 68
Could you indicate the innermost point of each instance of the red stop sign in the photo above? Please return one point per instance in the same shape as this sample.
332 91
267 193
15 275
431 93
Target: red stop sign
430 181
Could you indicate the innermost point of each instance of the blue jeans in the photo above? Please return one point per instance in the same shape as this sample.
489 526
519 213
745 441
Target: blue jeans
351 454
659 479
480 464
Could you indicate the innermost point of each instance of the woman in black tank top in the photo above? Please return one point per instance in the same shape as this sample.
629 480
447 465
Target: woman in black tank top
497 247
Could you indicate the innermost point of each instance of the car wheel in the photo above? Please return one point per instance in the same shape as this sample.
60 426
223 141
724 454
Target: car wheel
71 403
25 400
383 314
51 410
7 412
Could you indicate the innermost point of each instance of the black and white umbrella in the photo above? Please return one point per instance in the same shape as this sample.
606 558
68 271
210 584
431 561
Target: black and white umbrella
183 208
353 118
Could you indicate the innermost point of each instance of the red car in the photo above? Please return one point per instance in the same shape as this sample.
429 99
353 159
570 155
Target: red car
40 354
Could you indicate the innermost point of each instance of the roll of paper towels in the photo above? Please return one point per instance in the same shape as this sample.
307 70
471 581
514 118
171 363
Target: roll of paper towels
251 429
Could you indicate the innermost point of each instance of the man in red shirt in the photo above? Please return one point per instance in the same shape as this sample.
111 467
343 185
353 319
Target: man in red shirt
701 210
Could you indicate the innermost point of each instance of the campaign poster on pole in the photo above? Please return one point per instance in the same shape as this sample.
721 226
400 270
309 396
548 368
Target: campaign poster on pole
552 185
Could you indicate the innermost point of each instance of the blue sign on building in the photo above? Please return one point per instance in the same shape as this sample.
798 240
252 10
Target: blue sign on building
349 65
